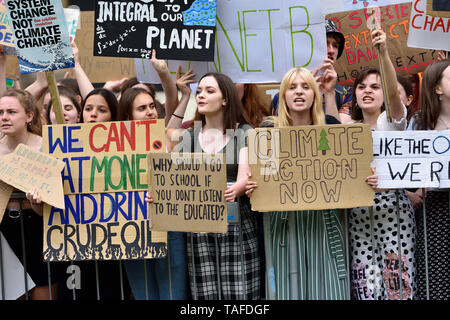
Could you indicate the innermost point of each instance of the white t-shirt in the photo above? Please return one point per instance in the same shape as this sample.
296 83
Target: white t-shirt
395 125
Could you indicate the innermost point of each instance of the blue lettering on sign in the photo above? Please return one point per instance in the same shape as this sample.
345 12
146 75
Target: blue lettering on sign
5 37
434 144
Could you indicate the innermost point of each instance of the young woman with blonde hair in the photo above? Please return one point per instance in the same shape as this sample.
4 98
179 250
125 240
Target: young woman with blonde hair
303 238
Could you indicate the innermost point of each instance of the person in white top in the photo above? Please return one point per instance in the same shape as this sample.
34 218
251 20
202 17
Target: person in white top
374 240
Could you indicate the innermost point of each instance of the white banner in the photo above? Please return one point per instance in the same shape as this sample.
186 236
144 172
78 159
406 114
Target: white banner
259 41
412 159
428 32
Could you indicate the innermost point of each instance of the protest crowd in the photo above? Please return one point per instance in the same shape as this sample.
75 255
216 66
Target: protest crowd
398 248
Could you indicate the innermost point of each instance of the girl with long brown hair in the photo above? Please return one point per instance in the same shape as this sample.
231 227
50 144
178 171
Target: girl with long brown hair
434 114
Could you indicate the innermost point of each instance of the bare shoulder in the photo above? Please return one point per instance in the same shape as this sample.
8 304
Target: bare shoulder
35 142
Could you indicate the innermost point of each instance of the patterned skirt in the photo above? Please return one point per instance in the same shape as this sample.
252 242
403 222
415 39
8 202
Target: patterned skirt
226 266
305 256
438 246
375 269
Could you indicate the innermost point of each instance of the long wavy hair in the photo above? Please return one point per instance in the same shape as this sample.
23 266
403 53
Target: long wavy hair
233 110
430 106
254 104
28 102
284 118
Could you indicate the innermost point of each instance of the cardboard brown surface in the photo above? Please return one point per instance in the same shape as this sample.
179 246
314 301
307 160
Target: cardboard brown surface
105 182
188 192
436 13
310 168
99 69
26 168
358 51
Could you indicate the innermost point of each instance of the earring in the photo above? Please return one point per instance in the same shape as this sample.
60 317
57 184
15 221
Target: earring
440 97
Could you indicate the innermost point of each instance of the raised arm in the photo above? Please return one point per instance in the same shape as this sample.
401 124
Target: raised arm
84 83
175 119
168 85
326 78
39 86
390 78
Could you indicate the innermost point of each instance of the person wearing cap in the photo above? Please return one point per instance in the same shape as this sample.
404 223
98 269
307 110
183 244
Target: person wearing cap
336 98
335 95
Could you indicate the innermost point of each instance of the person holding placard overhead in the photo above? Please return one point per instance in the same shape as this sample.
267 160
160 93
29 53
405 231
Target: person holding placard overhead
20 122
376 239
165 279
317 270
223 266
434 114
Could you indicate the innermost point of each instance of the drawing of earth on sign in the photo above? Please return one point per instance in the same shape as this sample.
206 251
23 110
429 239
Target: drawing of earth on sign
201 13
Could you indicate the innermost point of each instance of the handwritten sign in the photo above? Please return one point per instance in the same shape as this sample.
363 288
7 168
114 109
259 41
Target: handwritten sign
310 168
188 190
105 183
334 6
257 41
412 159
27 168
181 29
41 37
6 35
359 53
427 31
99 69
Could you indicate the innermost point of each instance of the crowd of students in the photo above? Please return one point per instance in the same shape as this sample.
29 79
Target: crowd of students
276 255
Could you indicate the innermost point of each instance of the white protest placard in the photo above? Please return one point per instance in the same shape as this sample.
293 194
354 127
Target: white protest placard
412 159
259 41
426 31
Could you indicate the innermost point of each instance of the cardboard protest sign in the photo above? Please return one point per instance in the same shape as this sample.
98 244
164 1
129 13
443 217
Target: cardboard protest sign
105 183
310 168
99 69
180 30
333 6
359 53
40 35
427 31
258 41
5 193
412 159
6 35
188 191
27 168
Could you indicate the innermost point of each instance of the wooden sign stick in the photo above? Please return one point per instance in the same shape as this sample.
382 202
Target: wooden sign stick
54 93
373 23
